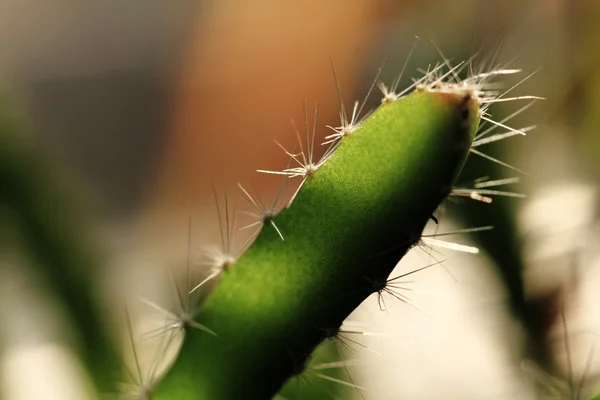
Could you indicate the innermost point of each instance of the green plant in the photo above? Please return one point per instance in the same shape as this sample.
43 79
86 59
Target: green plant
57 241
359 208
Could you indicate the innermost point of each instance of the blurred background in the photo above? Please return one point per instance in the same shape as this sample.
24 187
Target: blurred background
142 109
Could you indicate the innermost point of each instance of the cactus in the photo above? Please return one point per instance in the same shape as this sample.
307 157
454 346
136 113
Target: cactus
358 209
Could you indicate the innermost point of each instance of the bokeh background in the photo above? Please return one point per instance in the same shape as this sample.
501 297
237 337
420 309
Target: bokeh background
143 108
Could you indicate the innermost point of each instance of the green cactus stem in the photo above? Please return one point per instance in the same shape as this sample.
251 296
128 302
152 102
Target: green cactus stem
359 210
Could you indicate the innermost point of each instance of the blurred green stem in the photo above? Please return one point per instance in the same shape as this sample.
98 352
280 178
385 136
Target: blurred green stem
57 242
